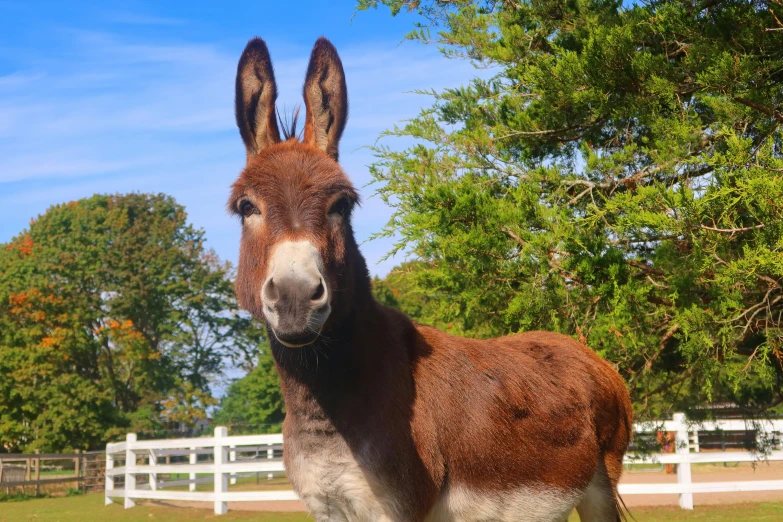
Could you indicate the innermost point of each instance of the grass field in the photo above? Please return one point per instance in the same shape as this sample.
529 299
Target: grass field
57 473
90 508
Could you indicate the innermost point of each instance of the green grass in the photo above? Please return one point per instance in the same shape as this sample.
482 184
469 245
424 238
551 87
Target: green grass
90 508
242 484
55 473
767 511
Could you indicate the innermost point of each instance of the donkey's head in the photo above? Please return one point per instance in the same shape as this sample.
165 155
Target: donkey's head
298 262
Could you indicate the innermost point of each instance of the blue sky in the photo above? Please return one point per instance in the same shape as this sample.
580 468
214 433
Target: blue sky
104 97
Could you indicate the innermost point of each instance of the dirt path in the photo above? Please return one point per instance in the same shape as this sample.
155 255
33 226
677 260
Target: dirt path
277 506
717 473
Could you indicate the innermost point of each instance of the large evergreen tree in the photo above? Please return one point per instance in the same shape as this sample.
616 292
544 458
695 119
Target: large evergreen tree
615 174
113 317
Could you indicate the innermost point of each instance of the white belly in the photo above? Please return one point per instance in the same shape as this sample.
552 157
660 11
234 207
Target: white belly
519 505
335 489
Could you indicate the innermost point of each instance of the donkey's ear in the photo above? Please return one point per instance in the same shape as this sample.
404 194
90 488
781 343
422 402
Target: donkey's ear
326 98
256 93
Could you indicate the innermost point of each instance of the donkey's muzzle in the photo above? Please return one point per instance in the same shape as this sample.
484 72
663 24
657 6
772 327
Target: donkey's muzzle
295 296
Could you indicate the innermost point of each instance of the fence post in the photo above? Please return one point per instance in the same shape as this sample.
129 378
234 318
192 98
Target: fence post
153 476
682 444
77 469
109 478
28 464
232 457
270 454
193 459
130 478
37 473
221 479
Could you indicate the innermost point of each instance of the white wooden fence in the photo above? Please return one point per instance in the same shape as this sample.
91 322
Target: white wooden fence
688 452
225 458
230 457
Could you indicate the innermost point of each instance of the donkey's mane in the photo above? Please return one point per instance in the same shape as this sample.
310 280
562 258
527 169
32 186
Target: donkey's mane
288 122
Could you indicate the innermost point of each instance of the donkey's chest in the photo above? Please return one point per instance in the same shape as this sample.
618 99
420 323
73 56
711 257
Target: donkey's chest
335 486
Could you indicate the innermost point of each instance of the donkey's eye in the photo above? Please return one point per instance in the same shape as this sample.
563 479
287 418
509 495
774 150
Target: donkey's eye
247 209
340 207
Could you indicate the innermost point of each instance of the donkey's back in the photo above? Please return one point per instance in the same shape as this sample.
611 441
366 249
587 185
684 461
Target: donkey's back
534 424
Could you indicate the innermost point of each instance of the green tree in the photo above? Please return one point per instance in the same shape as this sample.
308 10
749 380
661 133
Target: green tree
399 290
113 317
254 403
616 175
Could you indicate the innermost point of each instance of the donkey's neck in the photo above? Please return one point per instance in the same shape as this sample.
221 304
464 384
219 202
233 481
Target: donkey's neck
334 355
358 368
342 349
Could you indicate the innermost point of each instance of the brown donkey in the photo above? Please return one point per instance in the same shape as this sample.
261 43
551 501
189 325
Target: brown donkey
389 420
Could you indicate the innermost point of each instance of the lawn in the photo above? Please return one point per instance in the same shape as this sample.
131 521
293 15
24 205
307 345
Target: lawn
90 508
56 473
766 511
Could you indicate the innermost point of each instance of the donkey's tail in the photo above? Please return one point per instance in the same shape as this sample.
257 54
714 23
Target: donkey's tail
623 513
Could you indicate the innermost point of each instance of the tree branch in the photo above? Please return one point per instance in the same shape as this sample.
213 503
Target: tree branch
646 268
513 236
733 230
755 106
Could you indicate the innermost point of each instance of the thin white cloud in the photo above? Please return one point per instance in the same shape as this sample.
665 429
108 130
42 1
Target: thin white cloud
20 168
18 79
137 19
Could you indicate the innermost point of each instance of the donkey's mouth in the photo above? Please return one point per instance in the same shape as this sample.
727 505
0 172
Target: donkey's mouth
296 341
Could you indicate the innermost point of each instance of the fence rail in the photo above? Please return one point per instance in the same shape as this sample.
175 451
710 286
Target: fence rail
231 457
226 458
687 452
23 470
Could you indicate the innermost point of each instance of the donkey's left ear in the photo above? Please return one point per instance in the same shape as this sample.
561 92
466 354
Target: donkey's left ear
256 92
326 98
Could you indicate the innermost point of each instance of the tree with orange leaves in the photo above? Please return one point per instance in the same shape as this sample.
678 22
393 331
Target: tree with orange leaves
114 316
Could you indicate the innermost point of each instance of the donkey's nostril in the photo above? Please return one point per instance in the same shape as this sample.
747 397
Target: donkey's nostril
270 293
319 292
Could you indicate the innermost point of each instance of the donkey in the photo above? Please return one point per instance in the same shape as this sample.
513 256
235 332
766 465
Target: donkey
389 420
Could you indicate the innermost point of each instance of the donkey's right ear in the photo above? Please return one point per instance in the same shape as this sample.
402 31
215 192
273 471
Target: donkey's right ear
256 93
